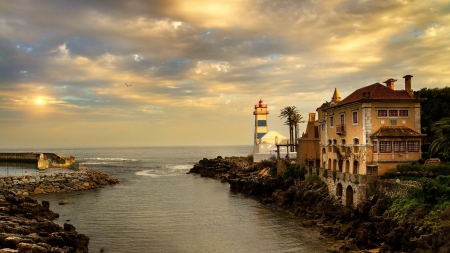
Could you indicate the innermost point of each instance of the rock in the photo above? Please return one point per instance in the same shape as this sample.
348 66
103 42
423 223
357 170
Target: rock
38 191
64 202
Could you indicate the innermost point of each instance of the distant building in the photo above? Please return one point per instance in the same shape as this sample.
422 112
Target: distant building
308 152
261 127
371 130
264 140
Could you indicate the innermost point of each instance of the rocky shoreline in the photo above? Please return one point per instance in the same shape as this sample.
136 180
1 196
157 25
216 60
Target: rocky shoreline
27 226
370 227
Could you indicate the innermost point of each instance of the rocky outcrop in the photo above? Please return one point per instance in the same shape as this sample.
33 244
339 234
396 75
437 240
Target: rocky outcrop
369 226
27 185
223 168
27 226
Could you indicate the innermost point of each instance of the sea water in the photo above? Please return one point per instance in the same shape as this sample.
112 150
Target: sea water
157 207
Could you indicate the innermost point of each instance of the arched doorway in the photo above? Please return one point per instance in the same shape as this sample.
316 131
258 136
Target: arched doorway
329 163
347 166
349 196
339 190
334 164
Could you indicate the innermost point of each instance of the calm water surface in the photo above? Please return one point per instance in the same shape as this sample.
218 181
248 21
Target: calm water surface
157 207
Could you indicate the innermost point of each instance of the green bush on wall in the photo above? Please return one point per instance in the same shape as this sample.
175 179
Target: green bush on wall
294 171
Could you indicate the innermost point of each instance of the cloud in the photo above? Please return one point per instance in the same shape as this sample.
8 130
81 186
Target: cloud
208 60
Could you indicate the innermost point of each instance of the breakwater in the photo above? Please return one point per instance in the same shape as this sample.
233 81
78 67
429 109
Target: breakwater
27 185
369 226
27 226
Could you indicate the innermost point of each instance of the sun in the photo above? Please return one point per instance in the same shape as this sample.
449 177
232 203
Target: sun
39 101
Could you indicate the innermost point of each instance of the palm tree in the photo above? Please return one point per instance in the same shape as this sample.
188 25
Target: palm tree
289 113
441 131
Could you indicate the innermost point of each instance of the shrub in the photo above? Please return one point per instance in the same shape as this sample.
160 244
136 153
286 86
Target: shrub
250 159
268 163
313 178
294 171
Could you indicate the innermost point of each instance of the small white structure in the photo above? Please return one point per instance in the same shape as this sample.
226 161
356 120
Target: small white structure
268 147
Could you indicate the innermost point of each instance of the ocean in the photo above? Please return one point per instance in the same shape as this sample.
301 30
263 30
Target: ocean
157 207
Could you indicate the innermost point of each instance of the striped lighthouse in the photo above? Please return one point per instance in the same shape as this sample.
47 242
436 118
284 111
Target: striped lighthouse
261 127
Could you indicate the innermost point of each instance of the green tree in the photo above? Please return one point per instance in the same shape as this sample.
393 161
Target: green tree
287 113
435 107
441 130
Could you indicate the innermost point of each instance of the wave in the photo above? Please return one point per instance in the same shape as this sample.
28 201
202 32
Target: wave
147 173
166 170
178 167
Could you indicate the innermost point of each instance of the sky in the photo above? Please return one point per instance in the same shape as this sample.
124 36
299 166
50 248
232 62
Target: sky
196 68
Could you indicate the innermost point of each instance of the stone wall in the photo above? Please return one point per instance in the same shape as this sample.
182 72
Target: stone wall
395 187
351 190
59 182
361 185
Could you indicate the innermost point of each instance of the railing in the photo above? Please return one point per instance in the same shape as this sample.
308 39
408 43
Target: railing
340 129
260 106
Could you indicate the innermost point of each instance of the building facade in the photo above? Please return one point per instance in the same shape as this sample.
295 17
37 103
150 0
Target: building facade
370 131
308 151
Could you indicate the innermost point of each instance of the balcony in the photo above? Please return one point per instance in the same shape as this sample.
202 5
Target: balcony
340 129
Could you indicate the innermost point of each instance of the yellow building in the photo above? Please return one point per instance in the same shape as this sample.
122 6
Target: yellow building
308 152
372 130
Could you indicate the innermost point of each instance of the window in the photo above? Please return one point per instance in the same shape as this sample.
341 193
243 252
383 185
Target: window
342 119
404 113
393 122
399 146
382 113
355 117
413 146
262 123
393 113
375 146
385 147
331 121
323 127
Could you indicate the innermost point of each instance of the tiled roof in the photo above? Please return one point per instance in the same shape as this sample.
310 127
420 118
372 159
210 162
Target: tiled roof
396 131
376 91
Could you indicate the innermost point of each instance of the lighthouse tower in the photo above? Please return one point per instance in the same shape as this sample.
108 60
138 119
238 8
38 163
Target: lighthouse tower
261 127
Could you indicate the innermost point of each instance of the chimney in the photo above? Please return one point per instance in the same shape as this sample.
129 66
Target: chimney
390 83
312 117
408 84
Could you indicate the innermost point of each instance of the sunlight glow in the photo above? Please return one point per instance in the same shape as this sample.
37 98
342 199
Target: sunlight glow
39 101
